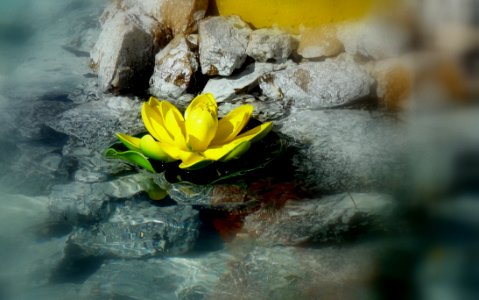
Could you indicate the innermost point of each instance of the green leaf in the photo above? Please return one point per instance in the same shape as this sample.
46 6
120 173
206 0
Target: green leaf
131 156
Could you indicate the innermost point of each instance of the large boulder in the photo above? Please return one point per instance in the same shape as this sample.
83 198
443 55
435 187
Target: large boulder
223 43
124 53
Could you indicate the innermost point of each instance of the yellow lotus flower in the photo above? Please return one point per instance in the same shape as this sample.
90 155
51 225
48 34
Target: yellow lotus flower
198 138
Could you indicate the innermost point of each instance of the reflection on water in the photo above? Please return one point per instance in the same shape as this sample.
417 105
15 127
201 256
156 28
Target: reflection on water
430 251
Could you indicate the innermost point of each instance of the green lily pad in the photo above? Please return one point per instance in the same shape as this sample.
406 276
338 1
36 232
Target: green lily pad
131 156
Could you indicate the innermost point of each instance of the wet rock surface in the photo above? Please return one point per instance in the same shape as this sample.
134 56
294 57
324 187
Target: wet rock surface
328 219
95 123
135 230
347 150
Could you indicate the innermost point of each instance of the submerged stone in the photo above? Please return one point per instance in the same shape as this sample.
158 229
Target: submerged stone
95 123
78 202
137 230
331 272
329 219
349 150
157 279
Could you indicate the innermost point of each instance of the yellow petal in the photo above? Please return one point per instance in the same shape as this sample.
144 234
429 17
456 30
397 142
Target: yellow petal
255 134
153 121
232 124
195 161
132 143
227 151
201 122
201 128
154 149
201 100
174 123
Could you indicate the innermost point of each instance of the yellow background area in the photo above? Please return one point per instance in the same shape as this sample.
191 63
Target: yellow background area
292 14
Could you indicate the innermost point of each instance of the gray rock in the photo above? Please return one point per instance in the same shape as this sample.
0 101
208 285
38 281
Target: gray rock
373 39
229 87
225 197
180 16
137 230
349 150
78 202
223 43
332 218
270 44
264 109
95 123
123 55
36 166
300 273
313 85
157 279
319 42
174 66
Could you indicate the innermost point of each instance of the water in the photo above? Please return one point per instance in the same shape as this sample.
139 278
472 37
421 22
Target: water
429 252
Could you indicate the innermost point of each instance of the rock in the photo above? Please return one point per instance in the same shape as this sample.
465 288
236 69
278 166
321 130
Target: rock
157 279
264 109
373 39
174 66
330 272
270 45
229 87
314 85
95 123
319 42
394 79
349 150
179 17
223 43
84 202
182 16
328 219
123 56
137 230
